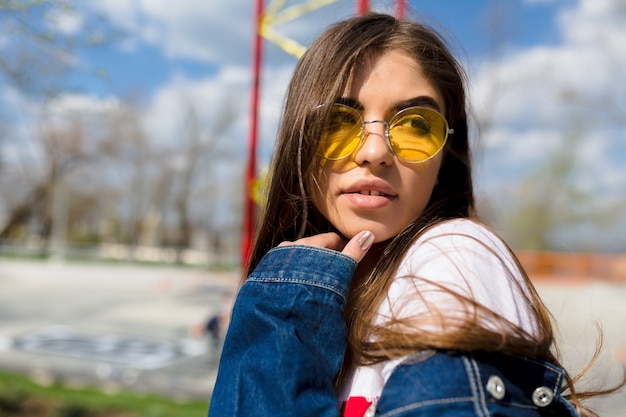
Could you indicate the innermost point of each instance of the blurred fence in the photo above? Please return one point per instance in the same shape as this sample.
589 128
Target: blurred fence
546 265
36 248
540 265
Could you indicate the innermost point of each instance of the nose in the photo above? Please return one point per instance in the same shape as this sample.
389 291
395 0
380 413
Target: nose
374 148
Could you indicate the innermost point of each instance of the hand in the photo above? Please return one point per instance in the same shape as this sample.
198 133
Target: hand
356 248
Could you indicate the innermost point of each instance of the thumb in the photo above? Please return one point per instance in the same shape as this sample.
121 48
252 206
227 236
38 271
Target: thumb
358 246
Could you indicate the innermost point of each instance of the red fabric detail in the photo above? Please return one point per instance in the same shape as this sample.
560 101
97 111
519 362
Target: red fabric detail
356 406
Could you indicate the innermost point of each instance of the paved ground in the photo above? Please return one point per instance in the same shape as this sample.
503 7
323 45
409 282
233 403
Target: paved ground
128 327
581 309
121 327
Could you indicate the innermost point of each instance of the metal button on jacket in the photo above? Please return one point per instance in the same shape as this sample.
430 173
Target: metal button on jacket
543 396
495 387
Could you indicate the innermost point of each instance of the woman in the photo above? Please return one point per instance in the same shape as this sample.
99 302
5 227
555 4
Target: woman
372 288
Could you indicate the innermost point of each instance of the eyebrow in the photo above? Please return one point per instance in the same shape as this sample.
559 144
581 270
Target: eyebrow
351 102
421 101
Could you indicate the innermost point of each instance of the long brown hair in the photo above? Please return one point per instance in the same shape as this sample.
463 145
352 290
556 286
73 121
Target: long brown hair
319 79
321 76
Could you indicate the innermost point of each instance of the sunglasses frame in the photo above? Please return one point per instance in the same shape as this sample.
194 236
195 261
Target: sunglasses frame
448 131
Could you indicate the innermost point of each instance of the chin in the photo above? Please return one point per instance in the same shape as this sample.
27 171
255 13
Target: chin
381 232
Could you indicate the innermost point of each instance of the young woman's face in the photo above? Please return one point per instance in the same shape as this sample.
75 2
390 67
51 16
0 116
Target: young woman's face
372 188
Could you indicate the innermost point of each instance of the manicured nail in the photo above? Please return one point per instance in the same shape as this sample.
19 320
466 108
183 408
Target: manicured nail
366 240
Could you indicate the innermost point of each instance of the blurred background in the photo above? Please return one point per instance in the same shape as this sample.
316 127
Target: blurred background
124 171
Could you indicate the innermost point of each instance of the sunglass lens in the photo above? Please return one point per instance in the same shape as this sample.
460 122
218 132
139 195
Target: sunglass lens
417 134
342 133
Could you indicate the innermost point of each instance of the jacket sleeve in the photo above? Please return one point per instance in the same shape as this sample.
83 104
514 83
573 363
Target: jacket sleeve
287 337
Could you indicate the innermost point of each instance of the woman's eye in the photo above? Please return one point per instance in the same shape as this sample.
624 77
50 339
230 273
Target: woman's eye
416 124
343 117
341 120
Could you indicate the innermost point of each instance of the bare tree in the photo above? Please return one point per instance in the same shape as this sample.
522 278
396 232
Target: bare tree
129 167
35 56
548 203
37 52
200 144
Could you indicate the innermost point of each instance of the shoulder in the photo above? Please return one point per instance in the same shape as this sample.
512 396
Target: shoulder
461 232
463 243
464 258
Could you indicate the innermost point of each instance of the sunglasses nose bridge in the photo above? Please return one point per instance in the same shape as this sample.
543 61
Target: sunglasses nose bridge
366 130
384 134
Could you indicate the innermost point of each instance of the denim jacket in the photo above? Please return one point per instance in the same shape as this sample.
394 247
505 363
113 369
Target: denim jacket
287 337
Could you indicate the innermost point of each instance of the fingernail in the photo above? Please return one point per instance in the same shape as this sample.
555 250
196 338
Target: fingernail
366 240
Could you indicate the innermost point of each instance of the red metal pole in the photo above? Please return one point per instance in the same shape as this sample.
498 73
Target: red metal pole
400 8
249 210
362 7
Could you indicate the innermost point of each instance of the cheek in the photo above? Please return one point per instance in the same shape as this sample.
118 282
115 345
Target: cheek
343 165
422 181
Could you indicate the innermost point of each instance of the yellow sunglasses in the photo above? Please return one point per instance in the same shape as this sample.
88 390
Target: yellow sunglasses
415 134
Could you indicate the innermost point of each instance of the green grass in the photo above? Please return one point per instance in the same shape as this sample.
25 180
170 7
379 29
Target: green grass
20 397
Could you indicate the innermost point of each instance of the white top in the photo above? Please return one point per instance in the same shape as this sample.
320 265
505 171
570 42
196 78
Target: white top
459 256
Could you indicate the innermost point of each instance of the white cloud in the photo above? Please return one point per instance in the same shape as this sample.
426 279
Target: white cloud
541 101
535 97
219 32
597 24
549 91
166 113
74 103
540 91
525 146
67 22
215 32
209 97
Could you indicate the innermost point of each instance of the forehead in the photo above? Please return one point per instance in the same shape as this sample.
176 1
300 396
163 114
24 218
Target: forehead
389 78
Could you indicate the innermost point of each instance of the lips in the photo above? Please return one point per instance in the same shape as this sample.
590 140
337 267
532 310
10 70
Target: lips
369 194
374 193
377 188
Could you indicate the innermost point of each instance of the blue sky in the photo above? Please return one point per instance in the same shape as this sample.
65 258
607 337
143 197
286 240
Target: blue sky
146 65
540 73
